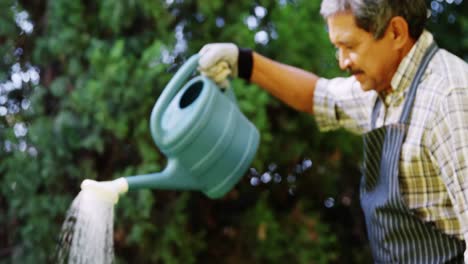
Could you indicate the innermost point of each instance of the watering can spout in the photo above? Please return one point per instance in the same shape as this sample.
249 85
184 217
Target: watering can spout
106 190
173 177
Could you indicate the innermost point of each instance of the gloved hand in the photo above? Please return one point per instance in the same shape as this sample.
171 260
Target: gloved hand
218 61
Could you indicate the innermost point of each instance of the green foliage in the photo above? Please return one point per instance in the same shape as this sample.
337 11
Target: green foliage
279 238
102 66
156 236
448 22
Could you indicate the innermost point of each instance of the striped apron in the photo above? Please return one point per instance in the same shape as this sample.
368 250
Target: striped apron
396 234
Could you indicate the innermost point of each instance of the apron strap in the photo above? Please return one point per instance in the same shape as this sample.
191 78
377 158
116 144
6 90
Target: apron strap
375 112
430 52
414 84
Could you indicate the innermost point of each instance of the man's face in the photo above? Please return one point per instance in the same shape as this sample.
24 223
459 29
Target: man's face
372 62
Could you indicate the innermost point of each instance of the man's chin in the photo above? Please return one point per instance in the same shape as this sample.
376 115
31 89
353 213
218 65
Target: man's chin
366 86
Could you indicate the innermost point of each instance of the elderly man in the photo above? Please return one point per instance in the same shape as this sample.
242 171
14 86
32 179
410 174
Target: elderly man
409 100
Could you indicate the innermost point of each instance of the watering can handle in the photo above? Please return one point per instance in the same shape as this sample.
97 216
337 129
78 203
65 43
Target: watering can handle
171 89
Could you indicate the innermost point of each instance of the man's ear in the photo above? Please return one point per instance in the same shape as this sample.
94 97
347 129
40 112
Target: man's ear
398 31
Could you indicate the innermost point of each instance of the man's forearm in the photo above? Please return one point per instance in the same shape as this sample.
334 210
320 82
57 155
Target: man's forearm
291 85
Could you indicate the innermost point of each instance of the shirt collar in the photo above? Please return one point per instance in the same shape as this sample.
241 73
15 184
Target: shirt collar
407 69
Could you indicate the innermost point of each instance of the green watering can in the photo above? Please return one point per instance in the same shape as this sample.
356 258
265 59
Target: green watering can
208 142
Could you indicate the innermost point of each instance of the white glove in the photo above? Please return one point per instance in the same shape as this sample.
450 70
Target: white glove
218 61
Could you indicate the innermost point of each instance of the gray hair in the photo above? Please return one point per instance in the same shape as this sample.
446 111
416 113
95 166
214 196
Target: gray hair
373 15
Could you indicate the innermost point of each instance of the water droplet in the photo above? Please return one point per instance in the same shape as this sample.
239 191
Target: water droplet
298 169
8 86
272 167
21 19
260 11
451 18
32 151
306 164
254 181
16 79
199 17
8 146
329 202
219 22
18 52
291 178
251 22
25 103
16 68
22 146
434 5
166 57
253 172
25 76
274 34
261 37
13 108
277 177
34 75
3 111
266 177
20 129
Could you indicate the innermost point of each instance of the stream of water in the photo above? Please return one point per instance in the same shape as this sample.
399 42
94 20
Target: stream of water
87 234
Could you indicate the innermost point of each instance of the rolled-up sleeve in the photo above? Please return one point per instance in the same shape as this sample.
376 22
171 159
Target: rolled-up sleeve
341 103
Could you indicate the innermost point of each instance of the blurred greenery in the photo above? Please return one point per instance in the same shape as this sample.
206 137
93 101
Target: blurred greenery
102 65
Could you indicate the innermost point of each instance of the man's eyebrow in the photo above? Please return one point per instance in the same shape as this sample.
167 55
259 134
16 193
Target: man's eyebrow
340 43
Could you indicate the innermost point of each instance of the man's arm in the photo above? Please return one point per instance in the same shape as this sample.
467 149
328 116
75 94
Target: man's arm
291 85
335 103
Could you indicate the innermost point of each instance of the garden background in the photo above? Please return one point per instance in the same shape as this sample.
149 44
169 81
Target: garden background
78 80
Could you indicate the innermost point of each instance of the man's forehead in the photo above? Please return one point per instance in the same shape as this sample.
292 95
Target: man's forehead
341 27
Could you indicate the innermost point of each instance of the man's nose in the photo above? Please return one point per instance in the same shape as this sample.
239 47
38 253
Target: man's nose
343 59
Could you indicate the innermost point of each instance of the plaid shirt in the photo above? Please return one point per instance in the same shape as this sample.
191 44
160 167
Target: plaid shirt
434 158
